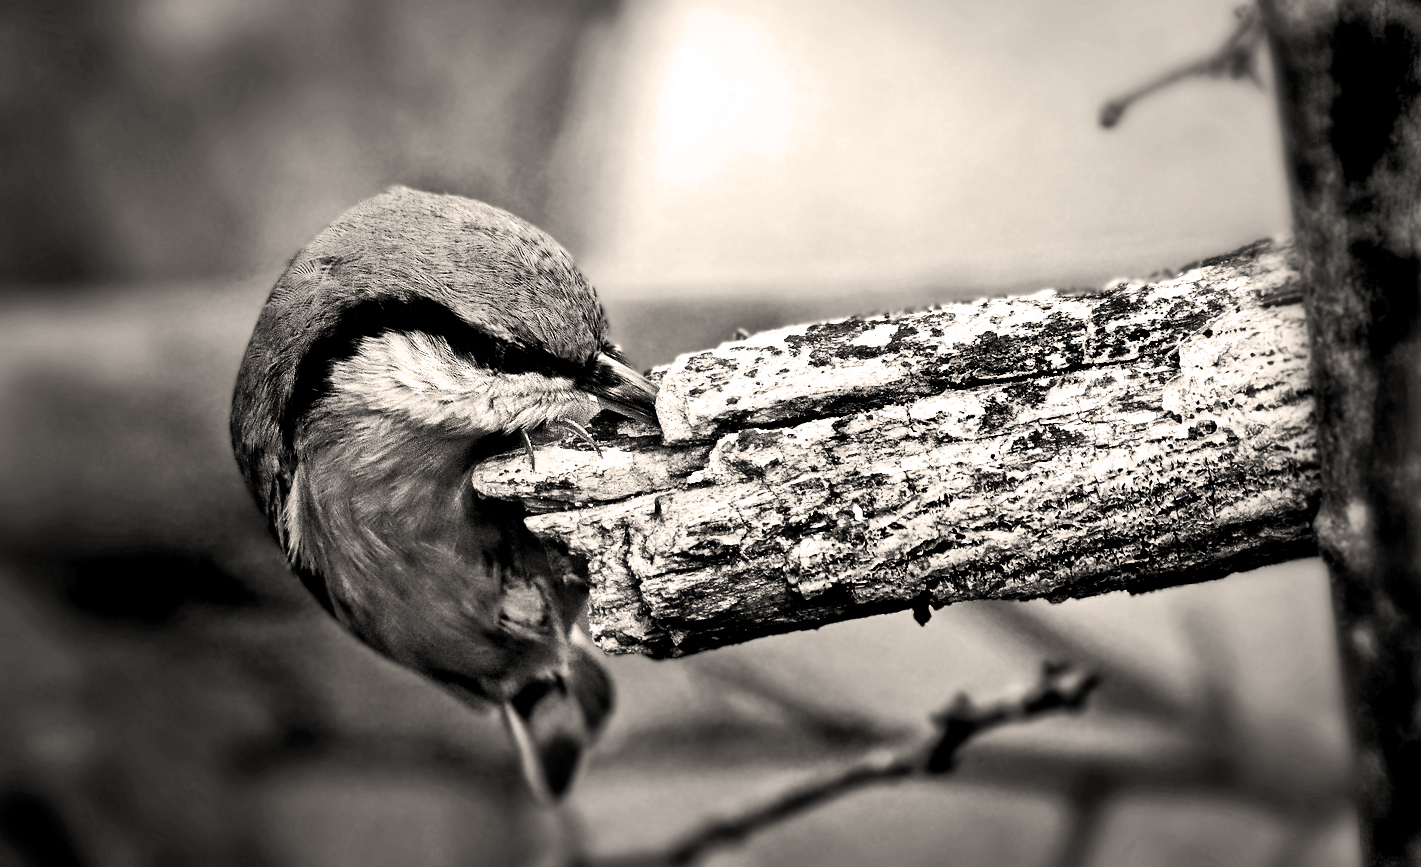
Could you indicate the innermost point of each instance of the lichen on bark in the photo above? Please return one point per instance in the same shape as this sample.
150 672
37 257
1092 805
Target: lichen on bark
1044 446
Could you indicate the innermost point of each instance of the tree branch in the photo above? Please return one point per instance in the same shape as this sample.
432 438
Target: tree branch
1061 687
1044 446
1237 58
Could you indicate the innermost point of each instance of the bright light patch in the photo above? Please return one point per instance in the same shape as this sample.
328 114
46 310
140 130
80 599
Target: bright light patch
728 94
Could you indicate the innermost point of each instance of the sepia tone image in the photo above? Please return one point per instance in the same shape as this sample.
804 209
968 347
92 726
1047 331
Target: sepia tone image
635 432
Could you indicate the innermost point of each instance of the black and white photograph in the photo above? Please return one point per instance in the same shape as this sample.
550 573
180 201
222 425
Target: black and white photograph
636 433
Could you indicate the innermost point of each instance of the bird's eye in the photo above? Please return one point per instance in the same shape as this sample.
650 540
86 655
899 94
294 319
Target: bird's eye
342 339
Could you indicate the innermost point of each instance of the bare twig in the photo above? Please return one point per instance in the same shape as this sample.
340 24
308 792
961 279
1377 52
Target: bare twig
1061 687
1237 58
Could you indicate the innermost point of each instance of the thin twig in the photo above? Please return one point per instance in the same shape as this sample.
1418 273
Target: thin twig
1061 688
1237 59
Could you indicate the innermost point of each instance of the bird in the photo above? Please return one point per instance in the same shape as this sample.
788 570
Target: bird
417 335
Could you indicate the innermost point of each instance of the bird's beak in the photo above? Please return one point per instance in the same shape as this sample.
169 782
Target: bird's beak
622 390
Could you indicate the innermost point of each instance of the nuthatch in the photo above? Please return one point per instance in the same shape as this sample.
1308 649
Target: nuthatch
414 337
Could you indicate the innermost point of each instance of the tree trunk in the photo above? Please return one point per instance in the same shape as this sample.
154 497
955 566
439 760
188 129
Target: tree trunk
1348 86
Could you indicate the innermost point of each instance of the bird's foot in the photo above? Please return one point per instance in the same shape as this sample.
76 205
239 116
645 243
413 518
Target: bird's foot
578 430
582 434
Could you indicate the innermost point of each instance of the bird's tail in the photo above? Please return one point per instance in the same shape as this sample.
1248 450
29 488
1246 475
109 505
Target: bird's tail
555 719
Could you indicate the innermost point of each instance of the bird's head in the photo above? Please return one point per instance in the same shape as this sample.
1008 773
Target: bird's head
414 336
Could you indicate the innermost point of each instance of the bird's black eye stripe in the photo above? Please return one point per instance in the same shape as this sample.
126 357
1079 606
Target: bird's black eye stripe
374 317
600 379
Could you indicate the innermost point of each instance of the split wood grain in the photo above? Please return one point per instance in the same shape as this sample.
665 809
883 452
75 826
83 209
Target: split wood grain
1042 446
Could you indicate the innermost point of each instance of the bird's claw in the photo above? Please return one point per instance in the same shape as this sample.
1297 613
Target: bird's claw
582 434
578 430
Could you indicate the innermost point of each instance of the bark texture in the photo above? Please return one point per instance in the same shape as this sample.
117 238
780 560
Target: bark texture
1050 445
1349 76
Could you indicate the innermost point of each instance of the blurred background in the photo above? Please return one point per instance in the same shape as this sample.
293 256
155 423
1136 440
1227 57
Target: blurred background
172 697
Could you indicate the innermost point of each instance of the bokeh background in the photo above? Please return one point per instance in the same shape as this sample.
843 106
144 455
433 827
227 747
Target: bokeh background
171 697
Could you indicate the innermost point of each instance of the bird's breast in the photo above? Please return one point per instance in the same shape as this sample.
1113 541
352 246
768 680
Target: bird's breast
416 564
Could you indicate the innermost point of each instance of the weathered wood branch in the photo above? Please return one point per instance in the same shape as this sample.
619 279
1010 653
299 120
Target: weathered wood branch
1043 446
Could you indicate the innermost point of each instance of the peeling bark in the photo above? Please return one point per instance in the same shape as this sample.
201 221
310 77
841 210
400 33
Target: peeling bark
1043 446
